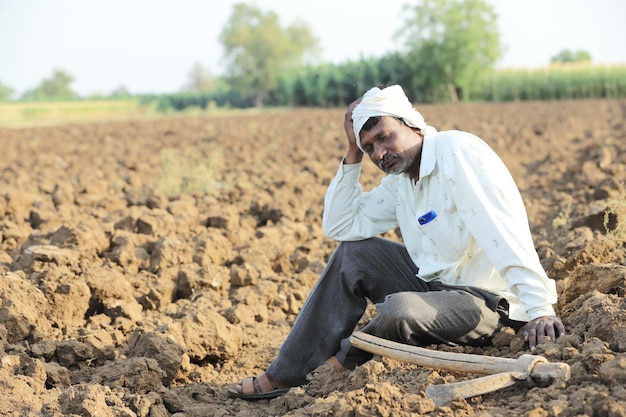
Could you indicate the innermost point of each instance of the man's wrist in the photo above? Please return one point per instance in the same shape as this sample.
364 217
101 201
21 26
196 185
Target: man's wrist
353 157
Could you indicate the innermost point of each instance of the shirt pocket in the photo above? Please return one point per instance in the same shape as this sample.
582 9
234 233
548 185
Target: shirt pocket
445 240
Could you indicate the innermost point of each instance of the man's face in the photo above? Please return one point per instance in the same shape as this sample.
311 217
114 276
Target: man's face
393 146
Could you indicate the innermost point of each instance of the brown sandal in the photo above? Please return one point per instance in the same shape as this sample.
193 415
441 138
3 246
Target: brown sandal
257 388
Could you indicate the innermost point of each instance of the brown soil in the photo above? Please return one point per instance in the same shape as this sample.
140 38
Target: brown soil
121 296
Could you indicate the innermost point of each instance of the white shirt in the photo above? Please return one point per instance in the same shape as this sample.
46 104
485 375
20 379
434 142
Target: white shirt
480 236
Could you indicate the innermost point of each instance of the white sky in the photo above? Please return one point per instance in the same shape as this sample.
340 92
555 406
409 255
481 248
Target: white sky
149 46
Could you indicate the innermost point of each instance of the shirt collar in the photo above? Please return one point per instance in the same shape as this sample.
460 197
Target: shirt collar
427 162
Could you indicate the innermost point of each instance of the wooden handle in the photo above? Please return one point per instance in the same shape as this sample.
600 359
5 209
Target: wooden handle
459 362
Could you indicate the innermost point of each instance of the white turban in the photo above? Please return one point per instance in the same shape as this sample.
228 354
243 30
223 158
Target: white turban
390 101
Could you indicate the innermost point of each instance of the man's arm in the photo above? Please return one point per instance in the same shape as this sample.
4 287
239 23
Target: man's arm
354 155
349 213
494 212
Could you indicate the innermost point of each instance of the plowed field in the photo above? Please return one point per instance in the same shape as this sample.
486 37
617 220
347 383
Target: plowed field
145 266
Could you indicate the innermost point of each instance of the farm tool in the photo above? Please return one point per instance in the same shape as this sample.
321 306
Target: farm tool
501 372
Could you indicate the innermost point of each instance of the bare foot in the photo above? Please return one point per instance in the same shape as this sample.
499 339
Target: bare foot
331 363
334 362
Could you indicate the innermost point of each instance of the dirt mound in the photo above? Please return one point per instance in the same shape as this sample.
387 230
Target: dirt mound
144 266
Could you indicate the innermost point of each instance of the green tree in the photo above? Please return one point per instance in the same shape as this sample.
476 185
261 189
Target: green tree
257 49
55 87
6 92
451 43
567 55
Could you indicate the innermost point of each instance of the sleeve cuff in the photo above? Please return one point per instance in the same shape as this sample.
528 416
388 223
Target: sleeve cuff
541 311
349 173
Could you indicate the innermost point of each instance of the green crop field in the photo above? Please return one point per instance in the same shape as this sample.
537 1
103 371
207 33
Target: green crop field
25 114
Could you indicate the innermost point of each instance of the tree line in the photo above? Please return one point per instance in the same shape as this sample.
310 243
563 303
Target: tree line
448 51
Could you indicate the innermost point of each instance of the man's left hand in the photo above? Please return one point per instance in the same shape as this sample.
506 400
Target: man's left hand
538 329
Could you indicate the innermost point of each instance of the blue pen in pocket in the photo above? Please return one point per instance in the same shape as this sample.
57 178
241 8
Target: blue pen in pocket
427 217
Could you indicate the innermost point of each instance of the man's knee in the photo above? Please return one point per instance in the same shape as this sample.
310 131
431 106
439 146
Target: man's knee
401 317
425 318
403 306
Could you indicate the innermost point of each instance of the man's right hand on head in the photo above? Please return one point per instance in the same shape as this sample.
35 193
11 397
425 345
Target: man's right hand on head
354 155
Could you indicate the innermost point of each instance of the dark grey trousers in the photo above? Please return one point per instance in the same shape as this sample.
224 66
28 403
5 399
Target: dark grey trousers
408 310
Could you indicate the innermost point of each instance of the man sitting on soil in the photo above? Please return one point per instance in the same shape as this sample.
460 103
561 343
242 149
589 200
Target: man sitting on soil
466 269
